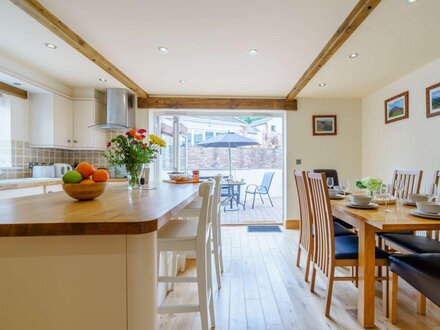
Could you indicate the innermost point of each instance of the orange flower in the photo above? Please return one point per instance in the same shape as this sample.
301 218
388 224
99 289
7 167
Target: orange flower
132 132
138 137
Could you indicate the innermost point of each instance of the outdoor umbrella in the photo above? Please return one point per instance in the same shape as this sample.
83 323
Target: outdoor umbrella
228 140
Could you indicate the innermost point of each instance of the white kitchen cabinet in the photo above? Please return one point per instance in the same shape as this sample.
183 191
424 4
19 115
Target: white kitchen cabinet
59 122
51 117
87 113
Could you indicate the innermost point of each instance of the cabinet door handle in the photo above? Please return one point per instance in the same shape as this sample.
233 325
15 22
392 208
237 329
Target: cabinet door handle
68 141
75 141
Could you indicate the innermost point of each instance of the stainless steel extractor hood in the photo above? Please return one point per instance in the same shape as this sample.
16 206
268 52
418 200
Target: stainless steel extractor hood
120 110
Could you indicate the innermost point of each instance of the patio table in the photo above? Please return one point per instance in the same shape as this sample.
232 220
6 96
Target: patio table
368 223
231 198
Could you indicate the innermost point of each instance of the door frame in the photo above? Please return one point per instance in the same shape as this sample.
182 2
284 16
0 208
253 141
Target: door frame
155 114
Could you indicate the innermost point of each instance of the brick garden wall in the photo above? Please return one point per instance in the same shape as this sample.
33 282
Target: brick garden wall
242 158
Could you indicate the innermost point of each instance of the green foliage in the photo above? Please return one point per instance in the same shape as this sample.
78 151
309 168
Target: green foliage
370 183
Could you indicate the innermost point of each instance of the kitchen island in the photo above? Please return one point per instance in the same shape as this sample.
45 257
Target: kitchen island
84 265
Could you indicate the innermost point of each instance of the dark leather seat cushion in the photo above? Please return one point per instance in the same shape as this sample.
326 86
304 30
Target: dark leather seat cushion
415 244
340 230
407 232
422 271
347 247
342 222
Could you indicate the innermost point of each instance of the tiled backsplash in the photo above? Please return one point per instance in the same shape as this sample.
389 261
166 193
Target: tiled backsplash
22 155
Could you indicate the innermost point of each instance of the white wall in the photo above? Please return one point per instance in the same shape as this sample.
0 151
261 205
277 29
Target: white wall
341 152
407 144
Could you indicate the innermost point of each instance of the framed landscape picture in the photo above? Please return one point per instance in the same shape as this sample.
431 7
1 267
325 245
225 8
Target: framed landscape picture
324 125
433 100
396 108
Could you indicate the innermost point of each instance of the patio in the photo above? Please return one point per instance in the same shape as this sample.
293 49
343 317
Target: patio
260 214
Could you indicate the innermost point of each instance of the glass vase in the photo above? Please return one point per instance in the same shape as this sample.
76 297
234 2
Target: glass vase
134 174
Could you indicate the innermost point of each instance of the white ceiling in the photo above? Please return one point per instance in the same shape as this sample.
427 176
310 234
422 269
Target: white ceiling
23 40
208 42
395 39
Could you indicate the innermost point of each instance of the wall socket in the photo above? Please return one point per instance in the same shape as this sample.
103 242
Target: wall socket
298 162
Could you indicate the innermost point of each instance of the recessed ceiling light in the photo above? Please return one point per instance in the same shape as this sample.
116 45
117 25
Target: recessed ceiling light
253 51
410 1
102 80
182 81
247 82
163 49
17 83
51 46
321 85
353 55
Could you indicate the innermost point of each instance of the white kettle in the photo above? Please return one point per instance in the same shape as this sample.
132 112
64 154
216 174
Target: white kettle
61 169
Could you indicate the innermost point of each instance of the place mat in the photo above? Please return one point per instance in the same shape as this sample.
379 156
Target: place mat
370 206
381 201
181 182
420 214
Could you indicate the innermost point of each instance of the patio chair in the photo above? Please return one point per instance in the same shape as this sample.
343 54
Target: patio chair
263 189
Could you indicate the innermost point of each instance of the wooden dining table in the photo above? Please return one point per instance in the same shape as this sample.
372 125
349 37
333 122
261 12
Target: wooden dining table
369 222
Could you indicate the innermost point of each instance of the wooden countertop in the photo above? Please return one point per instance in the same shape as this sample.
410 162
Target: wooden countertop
8 184
117 212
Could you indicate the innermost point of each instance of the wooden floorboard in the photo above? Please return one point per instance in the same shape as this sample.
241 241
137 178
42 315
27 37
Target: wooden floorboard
260 214
263 289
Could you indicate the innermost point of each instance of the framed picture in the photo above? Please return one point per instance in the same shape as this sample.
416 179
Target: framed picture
396 108
324 125
433 100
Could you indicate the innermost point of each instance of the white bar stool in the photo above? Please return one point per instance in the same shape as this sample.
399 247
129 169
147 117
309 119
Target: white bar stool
193 211
192 235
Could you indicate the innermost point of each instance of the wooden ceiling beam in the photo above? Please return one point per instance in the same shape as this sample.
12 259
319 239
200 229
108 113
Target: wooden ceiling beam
51 22
215 103
359 13
14 91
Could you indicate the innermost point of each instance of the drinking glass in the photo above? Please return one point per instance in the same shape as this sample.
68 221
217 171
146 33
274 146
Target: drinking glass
430 191
399 187
330 182
385 192
344 186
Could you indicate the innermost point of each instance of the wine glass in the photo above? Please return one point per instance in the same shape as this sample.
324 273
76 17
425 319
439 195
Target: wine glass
399 187
330 182
430 191
385 192
344 186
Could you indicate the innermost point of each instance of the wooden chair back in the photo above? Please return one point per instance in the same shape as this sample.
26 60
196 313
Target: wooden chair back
215 209
324 249
412 181
206 192
306 224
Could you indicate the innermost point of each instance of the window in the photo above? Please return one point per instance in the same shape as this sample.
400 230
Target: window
198 136
5 131
209 134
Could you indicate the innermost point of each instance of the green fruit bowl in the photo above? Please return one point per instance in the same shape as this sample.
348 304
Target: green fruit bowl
84 192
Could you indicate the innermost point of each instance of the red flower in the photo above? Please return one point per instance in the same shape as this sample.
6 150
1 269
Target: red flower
142 131
133 142
143 145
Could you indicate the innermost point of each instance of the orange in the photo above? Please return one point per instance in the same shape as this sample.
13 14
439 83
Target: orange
100 176
87 181
85 169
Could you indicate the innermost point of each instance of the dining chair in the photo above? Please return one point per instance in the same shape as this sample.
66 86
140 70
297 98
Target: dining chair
191 235
306 222
262 189
422 271
192 211
329 251
412 181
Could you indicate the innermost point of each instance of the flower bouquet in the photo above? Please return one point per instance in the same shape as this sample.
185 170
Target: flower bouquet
134 149
370 184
